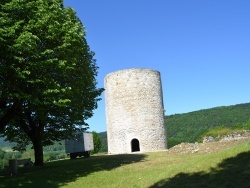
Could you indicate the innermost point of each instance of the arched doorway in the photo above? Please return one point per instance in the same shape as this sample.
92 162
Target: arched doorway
135 145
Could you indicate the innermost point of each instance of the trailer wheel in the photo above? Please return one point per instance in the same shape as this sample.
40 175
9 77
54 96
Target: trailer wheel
86 154
72 155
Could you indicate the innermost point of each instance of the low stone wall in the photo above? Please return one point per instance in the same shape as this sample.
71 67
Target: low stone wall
234 136
211 144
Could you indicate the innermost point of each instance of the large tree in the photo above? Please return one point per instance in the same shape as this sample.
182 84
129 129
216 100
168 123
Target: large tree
47 74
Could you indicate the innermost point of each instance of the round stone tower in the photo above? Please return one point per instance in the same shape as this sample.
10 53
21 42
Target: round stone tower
134 111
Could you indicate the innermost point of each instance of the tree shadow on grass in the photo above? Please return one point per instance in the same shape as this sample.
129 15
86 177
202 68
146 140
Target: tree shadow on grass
58 173
231 173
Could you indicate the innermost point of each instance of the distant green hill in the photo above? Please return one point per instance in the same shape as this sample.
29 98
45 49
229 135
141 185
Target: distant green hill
5 144
189 127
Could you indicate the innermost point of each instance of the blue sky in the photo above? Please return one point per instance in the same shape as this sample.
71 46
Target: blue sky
200 47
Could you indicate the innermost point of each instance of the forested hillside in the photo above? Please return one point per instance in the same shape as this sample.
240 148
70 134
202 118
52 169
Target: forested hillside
190 126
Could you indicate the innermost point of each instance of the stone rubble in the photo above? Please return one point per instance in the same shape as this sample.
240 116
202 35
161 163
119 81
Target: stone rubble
210 144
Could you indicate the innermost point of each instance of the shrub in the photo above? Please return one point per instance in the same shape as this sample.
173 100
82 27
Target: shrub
51 156
97 143
218 132
245 126
2 153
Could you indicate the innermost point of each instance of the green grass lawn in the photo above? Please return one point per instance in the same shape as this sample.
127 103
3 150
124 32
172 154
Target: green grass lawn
226 168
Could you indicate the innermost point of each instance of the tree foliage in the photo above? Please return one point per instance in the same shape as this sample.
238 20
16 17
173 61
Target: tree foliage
97 142
2 153
47 73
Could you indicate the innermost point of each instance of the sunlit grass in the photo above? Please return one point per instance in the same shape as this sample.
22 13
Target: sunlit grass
156 169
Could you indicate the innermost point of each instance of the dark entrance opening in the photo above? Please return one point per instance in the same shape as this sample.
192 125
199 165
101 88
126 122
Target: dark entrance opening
135 145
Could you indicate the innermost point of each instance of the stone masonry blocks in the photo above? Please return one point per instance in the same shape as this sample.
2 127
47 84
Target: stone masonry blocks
134 110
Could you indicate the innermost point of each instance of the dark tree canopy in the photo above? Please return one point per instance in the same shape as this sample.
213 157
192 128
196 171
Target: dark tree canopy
47 73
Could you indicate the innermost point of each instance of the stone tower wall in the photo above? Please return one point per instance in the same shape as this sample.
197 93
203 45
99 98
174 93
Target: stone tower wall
134 110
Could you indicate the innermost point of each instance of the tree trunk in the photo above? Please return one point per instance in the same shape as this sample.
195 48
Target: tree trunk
38 149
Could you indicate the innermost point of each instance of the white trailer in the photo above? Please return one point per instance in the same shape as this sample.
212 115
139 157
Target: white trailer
80 145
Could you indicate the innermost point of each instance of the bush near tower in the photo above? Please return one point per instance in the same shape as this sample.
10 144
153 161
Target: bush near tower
47 74
97 143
